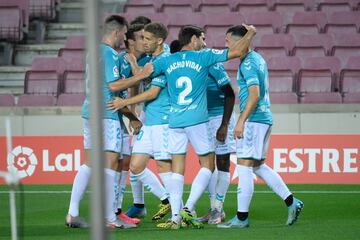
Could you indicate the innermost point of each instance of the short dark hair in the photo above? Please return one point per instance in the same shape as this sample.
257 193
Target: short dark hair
130 32
175 46
238 30
113 22
141 20
186 33
158 29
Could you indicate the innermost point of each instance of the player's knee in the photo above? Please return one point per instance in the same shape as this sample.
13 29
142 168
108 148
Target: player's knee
136 168
223 166
223 163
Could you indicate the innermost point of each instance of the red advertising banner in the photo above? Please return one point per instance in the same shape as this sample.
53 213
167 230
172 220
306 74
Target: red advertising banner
313 159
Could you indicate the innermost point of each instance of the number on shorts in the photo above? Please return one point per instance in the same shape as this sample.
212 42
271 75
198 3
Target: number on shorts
180 82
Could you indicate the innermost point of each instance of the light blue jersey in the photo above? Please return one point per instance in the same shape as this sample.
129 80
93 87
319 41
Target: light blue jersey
109 61
157 110
253 71
215 97
125 72
166 48
186 77
125 67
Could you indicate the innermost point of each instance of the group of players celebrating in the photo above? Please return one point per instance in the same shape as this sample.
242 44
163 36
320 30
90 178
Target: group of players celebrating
187 98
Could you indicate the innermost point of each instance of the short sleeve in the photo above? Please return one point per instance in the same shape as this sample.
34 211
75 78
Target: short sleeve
217 71
111 66
211 56
159 65
159 81
250 72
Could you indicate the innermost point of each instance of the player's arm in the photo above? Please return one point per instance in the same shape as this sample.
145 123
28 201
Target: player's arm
241 47
253 99
229 101
133 92
118 103
135 68
122 84
135 123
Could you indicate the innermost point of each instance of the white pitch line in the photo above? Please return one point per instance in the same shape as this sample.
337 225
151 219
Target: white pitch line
265 192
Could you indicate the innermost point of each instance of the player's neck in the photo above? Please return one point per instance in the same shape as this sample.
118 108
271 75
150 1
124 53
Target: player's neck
137 54
187 47
107 41
158 51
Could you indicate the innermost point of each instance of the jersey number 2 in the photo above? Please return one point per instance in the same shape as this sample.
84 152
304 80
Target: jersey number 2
180 82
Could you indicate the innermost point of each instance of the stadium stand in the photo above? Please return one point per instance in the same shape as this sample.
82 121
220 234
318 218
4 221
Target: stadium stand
312 45
7 100
318 80
251 6
291 33
350 81
283 73
343 22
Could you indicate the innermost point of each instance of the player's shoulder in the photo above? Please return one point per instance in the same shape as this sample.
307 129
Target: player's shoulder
252 59
211 51
106 49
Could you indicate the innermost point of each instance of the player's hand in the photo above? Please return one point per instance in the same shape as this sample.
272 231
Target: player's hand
130 58
221 133
239 129
136 125
250 28
116 104
147 70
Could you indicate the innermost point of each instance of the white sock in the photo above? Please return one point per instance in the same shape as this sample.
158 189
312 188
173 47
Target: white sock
176 192
122 187
166 179
80 184
137 189
117 189
212 188
273 180
245 188
109 194
221 189
198 186
152 183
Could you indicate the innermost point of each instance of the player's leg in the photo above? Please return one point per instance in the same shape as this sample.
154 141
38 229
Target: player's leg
249 148
112 146
222 151
160 140
275 182
142 150
200 138
79 187
178 144
81 181
137 210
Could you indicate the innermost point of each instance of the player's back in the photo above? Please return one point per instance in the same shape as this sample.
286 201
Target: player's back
109 61
186 75
253 71
157 110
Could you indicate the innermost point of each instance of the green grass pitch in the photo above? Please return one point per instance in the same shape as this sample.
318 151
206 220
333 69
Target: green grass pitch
330 212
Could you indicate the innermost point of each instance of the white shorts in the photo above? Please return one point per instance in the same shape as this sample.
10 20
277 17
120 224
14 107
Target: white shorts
111 135
229 146
255 143
125 145
198 135
154 141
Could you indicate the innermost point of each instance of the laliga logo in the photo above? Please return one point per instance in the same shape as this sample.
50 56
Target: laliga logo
22 160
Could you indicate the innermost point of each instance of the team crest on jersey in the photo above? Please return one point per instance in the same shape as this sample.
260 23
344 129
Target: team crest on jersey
217 51
116 72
